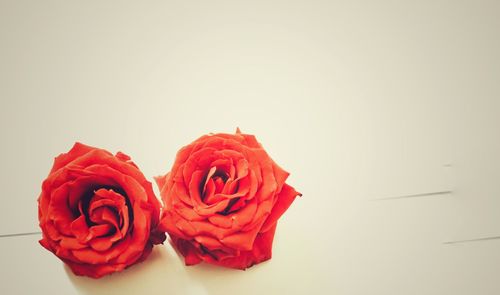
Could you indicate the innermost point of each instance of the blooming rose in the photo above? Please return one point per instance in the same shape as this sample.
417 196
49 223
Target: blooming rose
97 212
223 198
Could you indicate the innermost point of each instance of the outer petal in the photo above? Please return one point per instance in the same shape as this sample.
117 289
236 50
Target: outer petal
187 250
285 199
261 251
78 150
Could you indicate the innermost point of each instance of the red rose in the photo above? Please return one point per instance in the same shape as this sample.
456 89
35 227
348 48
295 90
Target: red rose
97 212
223 198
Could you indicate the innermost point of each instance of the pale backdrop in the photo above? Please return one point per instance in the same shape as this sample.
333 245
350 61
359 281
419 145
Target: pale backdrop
359 100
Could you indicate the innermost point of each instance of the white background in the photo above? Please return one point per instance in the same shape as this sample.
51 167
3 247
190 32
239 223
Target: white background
360 100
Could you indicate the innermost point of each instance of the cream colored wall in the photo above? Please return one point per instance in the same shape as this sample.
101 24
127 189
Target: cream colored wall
359 100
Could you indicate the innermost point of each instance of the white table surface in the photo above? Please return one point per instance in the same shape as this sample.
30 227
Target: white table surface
364 102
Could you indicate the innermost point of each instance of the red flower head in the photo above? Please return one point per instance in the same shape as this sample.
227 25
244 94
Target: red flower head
97 212
223 198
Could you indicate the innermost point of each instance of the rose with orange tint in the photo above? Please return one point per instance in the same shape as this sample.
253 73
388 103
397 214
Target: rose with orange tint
97 212
223 198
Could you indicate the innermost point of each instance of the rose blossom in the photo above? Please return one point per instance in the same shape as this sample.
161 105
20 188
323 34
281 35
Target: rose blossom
97 211
223 198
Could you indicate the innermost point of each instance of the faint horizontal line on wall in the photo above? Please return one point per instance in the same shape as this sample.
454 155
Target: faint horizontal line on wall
20 234
473 240
415 195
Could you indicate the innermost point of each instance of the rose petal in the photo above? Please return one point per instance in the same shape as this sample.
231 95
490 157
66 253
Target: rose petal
261 251
242 240
285 199
188 251
80 229
76 151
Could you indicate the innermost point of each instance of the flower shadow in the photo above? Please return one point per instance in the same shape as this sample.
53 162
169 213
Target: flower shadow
221 280
161 273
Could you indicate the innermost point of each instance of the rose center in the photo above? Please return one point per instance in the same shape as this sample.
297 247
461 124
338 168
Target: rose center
218 186
107 208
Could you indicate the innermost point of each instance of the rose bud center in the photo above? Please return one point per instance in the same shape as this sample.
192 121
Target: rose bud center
219 185
103 217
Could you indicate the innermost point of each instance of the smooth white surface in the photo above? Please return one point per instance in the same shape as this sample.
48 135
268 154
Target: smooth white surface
359 100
